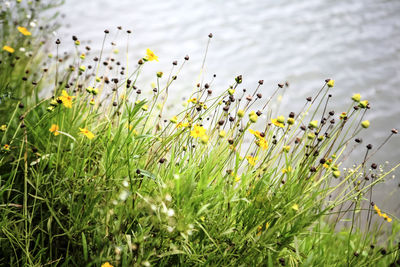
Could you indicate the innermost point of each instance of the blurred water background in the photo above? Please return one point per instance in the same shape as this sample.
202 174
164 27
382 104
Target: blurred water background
357 43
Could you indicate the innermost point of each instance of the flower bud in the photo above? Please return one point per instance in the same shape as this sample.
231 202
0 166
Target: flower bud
222 134
204 139
82 68
89 89
313 124
286 149
240 113
231 91
365 124
356 97
336 174
280 119
95 91
145 107
363 104
330 83
290 121
311 136
160 74
253 118
174 119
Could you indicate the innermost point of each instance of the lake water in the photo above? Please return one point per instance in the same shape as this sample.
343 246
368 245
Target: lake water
357 43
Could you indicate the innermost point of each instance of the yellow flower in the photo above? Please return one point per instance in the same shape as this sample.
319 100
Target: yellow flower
262 143
378 210
255 133
3 128
252 160
150 56
277 123
180 125
6 147
204 139
222 134
24 31
86 132
66 99
192 100
106 264
386 217
9 49
289 169
54 129
198 131
295 207
330 83
286 149
174 119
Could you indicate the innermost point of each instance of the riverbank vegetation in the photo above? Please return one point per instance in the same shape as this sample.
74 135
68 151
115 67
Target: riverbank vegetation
95 171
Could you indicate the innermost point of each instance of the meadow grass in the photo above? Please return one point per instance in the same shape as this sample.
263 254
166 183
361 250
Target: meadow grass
95 171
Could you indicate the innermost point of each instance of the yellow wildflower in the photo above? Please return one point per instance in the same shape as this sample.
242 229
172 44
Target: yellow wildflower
174 119
192 100
54 129
262 143
182 124
106 264
204 139
277 123
286 170
6 147
330 83
66 99
24 31
3 128
222 134
198 131
252 160
378 210
259 230
255 133
87 133
9 49
295 207
150 56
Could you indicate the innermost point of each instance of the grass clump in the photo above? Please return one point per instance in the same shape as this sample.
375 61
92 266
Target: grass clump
97 171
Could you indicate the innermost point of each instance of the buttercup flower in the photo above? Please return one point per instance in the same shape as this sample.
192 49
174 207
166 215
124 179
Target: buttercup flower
330 83
150 56
3 128
87 133
295 207
106 264
9 49
66 99
365 124
54 129
198 131
6 147
24 31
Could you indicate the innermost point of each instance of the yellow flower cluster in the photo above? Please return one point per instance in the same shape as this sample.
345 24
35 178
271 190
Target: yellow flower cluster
383 215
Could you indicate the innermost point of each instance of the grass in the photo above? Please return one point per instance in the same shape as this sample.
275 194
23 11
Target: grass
96 171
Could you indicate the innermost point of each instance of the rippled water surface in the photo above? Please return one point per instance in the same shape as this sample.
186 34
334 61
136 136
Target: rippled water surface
355 42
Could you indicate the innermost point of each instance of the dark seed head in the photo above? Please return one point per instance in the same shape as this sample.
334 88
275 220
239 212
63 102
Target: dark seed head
331 113
394 131
374 166
162 160
174 62
313 169
259 113
259 95
280 85
106 31
58 41
369 146
210 35
21 105
358 140
186 57
291 115
309 98
260 82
